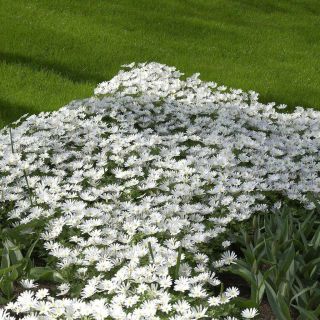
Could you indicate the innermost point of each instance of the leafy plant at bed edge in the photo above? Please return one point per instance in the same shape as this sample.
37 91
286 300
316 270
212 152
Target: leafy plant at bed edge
281 262
21 258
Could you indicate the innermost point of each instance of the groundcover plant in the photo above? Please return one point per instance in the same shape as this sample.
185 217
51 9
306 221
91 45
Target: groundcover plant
134 186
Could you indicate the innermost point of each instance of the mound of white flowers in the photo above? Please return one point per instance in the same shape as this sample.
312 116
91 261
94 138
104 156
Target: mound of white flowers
136 182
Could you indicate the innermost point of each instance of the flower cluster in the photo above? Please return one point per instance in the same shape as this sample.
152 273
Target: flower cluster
136 182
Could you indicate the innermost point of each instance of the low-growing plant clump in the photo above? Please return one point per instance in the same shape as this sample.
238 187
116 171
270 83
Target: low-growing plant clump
130 193
281 261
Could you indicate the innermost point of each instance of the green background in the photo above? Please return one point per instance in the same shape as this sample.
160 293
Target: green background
52 52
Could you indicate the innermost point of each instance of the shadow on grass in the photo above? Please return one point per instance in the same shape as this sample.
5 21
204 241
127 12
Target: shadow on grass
10 112
44 65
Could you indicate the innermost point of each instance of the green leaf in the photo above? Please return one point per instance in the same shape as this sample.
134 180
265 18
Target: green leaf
260 288
284 306
5 259
244 303
304 239
311 267
317 311
45 273
306 313
4 271
6 286
249 254
3 300
316 239
274 303
258 250
287 260
30 250
272 249
241 269
302 292
284 232
13 275
75 290
14 253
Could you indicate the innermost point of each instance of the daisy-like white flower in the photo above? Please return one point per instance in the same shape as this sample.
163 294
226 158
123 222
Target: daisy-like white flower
42 293
139 164
219 263
249 313
63 288
28 284
197 292
165 282
199 312
4 315
91 287
226 244
224 298
182 284
131 301
232 292
229 257
214 301
182 306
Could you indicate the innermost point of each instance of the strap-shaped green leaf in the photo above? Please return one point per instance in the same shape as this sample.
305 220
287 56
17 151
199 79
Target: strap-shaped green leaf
5 259
45 273
274 303
6 286
307 314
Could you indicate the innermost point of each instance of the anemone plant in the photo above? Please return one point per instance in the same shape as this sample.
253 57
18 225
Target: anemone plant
133 187
281 262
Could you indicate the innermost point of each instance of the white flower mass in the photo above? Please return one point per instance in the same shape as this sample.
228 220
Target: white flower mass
151 164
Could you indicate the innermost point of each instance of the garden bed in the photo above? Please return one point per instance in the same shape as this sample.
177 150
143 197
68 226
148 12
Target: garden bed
126 199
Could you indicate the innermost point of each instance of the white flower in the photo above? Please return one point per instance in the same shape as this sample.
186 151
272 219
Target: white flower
224 298
182 306
249 313
165 282
214 301
42 293
182 284
4 315
156 159
28 284
197 292
63 288
229 257
232 292
226 244
91 287
199 312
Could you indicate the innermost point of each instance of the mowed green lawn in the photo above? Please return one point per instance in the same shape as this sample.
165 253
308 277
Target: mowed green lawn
52 52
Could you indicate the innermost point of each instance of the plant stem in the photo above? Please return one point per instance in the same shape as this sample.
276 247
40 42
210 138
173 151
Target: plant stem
150 251
29 190
11 140
178 263
221 288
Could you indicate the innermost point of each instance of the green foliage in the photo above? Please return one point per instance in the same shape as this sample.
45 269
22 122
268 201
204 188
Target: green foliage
13 266
281 261
150 251
177 269
18 259
46 274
